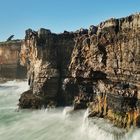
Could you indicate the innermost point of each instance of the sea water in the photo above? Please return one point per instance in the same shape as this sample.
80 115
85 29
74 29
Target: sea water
55 124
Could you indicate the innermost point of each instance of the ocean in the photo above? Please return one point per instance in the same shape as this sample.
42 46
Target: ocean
52 124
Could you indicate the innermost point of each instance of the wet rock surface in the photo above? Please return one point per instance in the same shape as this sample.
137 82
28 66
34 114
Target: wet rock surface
29 100
96 68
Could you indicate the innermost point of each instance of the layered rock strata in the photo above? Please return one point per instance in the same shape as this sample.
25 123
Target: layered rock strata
10 61
96 68
47 56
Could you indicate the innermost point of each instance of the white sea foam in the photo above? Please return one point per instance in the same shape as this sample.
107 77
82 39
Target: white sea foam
56 124
67 110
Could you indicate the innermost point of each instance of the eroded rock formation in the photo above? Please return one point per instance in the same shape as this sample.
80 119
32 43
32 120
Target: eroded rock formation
96 68
47 56
10 61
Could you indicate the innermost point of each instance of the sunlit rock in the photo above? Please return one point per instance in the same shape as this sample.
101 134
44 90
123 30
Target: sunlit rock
96 68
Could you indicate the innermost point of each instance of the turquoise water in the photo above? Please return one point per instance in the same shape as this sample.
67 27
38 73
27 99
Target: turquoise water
57 124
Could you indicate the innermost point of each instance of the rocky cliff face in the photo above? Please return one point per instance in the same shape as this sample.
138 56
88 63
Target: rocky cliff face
96 68
9 60
47 56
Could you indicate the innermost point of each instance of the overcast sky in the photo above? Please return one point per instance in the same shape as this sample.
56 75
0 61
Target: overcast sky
58 15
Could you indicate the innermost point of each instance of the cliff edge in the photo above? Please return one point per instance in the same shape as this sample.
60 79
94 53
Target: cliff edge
96 68
10 67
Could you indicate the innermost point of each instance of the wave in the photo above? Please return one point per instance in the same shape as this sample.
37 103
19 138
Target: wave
55 124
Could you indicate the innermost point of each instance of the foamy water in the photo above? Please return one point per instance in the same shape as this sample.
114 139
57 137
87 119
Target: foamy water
56 124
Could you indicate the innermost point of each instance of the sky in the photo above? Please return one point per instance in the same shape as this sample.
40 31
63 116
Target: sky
58 15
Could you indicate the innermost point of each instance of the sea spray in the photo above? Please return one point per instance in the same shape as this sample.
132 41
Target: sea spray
10 93
52 124
98 129
85 122
67 110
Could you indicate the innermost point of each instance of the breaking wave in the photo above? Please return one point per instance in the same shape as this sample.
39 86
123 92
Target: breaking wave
56 124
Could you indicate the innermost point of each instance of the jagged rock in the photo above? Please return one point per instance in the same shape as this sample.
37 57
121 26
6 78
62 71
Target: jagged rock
82 31
47 62
70 89
92 30
28 100
98 68
66 32
43 33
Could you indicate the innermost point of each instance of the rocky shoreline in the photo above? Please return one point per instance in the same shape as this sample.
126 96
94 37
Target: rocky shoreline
95 68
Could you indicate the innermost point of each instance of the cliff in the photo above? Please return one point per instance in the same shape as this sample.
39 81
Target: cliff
9 60
96 68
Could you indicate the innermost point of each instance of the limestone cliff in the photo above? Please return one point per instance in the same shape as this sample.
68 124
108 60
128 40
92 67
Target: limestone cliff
9 60
47 56
96 68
